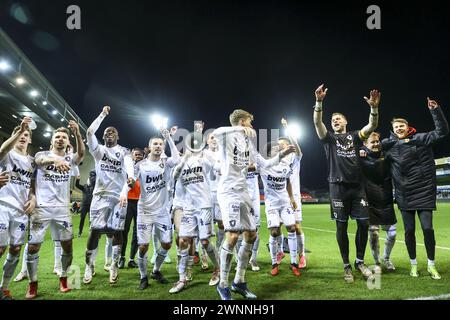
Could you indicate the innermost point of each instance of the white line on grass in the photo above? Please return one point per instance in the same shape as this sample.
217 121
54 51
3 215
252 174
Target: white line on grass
329 231
439 297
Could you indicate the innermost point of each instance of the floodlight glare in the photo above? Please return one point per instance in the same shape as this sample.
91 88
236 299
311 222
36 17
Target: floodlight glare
47 134
20 81
293 130
45 103
34 93
159 122
54 112
4 66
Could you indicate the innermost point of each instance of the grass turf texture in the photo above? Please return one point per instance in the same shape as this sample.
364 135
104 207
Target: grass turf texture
323 278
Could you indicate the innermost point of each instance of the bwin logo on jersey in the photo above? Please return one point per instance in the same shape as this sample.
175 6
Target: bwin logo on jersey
150 179
192 170
22 172
275 179
111 161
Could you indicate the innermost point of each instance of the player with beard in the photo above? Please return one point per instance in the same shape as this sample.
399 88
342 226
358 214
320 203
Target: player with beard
236 150
348 198
17 199
114 172
52 203
153 209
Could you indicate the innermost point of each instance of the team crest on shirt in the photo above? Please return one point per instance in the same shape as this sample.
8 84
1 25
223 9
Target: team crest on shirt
67 159
364 203
161 165
349 137
118 154
232 223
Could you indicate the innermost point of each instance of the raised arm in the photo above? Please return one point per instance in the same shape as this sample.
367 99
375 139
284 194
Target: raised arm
78 185
321 130
174 153
44 160
440 124
373 102
90 134
8 145
79 141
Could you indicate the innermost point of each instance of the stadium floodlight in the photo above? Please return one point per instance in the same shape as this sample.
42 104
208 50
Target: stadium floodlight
4 66
14 116
44 103
34 93
20 81
62 119
54 112
293 130
159 122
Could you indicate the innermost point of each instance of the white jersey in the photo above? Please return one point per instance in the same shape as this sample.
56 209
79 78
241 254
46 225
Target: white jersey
111 169
234 155
193 178
275 182
154 177
21 170
213 176
178 199
294 164
252 185
52 187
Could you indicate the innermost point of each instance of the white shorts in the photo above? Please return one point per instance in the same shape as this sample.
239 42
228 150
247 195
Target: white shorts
284 215
106 214
197 223
217 214
160 225
256 212
236 215
13 226
298 214
59 220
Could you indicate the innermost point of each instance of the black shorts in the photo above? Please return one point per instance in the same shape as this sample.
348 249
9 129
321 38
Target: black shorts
348 200
384 216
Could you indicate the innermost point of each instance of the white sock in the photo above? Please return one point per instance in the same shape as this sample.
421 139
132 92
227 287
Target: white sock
212 254
183 264
32 266
273 244
66 262
24 259
430 263
162 253
359 261
108 250
292 242
220 236
255 249
9 267
226 255
243 258
58 253
142 264
281 243
301 242
413 261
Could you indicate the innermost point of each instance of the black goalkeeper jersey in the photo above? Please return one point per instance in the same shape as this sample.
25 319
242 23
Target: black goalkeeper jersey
341 151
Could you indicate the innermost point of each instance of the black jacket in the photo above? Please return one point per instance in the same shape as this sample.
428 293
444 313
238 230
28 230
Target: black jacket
87 192
412 165
378 186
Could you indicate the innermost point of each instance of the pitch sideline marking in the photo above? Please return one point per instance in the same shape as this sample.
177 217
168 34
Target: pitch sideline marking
352 234
439 297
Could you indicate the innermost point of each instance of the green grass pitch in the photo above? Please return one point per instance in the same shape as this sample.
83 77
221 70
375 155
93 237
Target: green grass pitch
323 278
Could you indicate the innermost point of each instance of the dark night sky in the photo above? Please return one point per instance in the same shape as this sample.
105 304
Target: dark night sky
194 60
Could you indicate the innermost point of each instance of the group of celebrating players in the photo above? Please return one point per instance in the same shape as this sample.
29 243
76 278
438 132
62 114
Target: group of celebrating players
190 192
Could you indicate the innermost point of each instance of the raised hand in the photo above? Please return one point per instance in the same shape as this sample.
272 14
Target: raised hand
290 149
249 132
74 127
165 133
321 93
284 122
24 125
432 104
106 110
374 100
